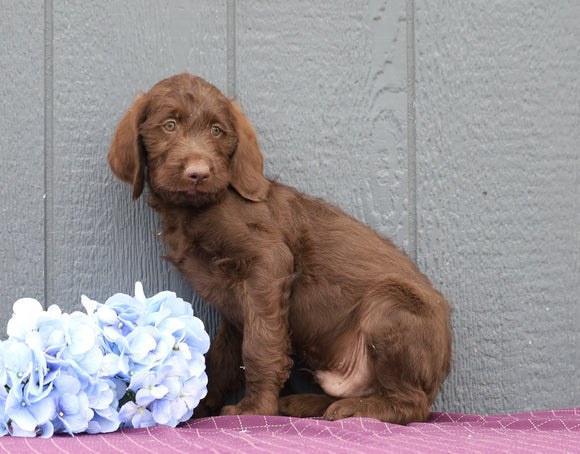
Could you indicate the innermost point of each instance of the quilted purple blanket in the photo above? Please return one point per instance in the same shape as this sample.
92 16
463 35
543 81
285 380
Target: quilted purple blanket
536 432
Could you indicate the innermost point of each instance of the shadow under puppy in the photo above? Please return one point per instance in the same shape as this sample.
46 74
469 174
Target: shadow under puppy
288 274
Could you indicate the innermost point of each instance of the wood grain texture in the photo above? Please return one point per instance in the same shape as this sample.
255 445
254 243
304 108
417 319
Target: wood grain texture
498 129
324 85
21 154
105 54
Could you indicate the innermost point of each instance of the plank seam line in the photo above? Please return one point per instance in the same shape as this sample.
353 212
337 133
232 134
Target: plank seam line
48 153
231 48
411 133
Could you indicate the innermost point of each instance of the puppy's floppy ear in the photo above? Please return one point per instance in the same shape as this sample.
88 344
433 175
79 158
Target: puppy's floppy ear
126 156
247 164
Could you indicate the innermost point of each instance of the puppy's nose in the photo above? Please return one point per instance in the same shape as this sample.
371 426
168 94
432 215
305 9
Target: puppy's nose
198 173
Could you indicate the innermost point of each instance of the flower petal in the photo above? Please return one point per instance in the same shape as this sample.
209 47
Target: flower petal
107 315
141 343
159 392
26 312
82 334
161 411
110 365
24 420
143 419
68 404
139 293
45 430
17 431
67 384
89 305
27 306
104 421
43 410
128 411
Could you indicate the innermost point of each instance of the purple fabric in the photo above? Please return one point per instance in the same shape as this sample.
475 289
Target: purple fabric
535 432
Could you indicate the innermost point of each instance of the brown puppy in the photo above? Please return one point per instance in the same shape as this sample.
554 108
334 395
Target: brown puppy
287 273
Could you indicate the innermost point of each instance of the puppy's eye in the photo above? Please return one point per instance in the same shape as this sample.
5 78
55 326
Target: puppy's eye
170 126
215 131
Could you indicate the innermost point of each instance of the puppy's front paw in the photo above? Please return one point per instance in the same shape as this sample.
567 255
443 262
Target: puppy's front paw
378 407
248 407
366 407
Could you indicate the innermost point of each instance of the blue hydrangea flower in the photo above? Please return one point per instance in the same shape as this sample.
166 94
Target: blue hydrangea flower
104 421
26 414
133 361
25 314
45 430
165 351
4 428
134 415
71 405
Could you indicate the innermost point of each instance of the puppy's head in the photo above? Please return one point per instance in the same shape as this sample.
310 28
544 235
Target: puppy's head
189 143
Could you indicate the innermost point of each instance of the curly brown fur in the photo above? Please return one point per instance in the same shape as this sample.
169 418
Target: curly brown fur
288 274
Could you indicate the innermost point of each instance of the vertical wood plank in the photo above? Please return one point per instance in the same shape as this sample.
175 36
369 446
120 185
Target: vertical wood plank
498 128
21 153
324 84
105 53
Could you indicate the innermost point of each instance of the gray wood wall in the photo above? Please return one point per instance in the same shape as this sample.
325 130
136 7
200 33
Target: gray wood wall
452 126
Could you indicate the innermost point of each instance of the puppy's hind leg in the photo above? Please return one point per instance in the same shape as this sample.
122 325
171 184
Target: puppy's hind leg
381 385
407 339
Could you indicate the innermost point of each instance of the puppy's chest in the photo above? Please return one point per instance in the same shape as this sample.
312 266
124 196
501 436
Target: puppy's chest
214 267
